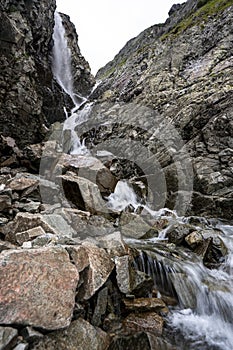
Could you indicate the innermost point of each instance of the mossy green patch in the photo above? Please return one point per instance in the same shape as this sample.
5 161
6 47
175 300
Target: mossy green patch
205 8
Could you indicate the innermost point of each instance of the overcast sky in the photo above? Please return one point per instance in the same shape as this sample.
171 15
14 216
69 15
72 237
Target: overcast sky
104 26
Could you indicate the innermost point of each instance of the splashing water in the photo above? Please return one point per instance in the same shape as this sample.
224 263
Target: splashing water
123 196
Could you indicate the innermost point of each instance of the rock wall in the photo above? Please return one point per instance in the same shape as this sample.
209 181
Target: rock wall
183 70
30 98
83 79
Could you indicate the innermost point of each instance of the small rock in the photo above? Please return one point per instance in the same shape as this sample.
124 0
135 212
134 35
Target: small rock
193 239
8 337
5 202
29 235
30 334
145 305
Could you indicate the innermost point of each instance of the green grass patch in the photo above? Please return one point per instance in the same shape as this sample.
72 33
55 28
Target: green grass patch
205 8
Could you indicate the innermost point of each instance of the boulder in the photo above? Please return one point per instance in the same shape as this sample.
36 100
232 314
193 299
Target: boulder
79 335
51 223
87 225
92 169
37 288
113 244
130 280
83 193
95 265
133 225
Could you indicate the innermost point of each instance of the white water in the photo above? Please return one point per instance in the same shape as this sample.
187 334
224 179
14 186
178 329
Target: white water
63 73
208 323
204 316
123 196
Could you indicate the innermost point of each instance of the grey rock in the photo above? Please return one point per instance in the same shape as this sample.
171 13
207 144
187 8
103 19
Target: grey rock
8 337
113 244
96 266
133 225
129 280
80 335
5 202
51 223
92 169
29 235
83 193
100 308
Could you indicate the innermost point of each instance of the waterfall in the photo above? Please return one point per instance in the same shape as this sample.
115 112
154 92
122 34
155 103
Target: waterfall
62 72
62 57
204 316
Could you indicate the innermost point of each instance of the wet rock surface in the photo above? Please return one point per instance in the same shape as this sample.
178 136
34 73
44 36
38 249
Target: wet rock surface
30 98
79 270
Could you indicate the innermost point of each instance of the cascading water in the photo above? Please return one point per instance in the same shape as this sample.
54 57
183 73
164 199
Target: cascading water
63 74
204 314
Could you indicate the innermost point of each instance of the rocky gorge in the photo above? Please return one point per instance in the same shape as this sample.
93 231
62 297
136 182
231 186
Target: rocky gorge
116 198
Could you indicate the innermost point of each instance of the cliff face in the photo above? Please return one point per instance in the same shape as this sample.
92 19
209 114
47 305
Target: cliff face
83 79
183 70
30 98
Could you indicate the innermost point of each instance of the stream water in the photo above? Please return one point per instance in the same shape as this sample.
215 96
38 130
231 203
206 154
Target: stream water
203 318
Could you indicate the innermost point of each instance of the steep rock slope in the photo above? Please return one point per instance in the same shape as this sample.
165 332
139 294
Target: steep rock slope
30 98
183 70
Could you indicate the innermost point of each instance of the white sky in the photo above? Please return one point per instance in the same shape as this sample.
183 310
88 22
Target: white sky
104 26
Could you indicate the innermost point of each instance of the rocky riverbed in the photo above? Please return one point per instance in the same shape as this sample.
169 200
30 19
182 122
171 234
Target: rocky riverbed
116 224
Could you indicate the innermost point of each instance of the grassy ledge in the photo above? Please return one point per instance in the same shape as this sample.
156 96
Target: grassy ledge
205 8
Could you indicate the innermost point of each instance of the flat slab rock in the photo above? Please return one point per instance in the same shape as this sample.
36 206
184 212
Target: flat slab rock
80 335
146 321
37 287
